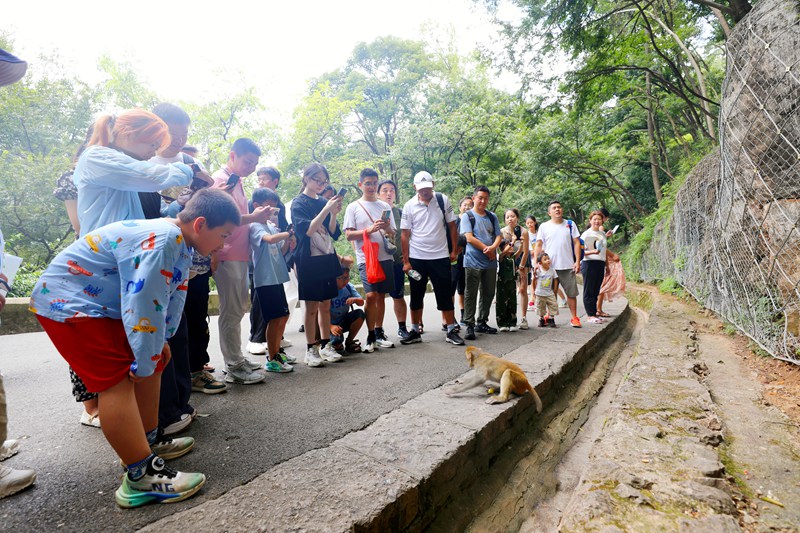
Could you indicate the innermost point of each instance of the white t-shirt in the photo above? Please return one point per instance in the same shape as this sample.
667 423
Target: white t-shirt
356 218
428 237
594 240
557 243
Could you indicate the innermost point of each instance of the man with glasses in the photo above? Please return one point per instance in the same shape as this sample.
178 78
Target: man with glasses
373 216
231 269
560 240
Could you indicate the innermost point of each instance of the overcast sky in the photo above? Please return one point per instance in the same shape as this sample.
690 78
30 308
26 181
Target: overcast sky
198 50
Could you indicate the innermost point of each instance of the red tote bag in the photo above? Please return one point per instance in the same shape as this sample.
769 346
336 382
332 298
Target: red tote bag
375 273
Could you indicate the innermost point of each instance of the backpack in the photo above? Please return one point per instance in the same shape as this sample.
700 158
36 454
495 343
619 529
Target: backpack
583 244
492 217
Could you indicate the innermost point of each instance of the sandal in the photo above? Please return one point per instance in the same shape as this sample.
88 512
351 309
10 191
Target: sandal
353 347
603 315
209 368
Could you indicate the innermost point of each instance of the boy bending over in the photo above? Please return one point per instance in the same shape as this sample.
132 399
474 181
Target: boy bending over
344 320
109 302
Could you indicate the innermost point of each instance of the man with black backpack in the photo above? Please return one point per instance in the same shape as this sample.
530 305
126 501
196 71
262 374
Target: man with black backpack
428 240
482 231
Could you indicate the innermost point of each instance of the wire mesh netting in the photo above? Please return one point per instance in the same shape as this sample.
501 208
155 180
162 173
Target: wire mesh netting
733 240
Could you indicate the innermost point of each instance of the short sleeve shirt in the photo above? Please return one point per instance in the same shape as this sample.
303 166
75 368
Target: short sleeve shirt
557 242
428 238
356 218
269 267
486 230
237 246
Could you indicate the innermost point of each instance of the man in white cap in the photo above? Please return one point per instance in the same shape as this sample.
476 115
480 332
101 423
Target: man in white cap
429 241
11 480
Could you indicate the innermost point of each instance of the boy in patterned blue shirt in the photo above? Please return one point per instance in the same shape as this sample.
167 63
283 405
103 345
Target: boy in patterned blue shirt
109 302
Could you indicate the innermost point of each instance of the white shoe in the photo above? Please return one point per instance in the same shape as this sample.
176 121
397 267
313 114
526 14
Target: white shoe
384 343
562 303
329 355
369 347
9 448
255 365
512 328
288 358
286 343
503 328
312 357
90 420
256 348
523 324
13 480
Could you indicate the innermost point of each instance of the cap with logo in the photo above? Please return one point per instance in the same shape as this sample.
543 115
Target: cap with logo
12 68
423 180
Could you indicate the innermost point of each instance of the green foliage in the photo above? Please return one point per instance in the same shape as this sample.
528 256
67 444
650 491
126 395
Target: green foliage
670 286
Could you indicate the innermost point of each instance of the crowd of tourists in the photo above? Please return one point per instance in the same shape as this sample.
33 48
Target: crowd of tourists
126 305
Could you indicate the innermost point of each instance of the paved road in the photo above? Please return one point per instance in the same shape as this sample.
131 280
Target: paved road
240 434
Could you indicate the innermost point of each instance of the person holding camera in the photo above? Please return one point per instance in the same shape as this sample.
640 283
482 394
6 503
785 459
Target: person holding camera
373 216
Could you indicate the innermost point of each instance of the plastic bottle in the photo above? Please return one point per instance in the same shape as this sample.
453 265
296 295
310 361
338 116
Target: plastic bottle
413 274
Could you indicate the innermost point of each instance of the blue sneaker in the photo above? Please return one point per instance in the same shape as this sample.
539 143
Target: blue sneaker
160 484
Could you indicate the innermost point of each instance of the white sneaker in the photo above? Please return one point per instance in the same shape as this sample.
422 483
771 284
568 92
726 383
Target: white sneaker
9 448
286 343
523 324
287 358
328 354
312 357
504 328
244 375
384 343
369 347
256 348
512 328
562 303
255 365
90 420
13 480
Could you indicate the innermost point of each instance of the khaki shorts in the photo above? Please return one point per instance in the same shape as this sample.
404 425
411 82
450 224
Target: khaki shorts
547 305
568 282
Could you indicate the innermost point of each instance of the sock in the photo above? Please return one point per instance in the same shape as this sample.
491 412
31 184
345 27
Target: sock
370 336
450 327
401 325
138 470
415 327
309 346
323 342
152 435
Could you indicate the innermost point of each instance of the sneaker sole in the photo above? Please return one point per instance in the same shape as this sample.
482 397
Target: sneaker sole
315 364
174 454
412 341
137 499
387 345
453 342
231 379
209 391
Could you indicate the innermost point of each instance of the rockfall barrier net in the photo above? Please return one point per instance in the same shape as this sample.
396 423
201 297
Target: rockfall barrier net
733 241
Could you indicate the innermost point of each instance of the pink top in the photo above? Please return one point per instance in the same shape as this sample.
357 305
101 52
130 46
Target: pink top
237 246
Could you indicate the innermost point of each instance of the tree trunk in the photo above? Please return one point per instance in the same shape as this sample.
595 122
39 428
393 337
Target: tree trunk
652 140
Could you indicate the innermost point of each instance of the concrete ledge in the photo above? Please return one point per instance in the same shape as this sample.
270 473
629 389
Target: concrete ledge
407 470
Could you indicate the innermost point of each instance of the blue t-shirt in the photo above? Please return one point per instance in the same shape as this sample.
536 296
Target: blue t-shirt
269 266
135 270
339 306
486 230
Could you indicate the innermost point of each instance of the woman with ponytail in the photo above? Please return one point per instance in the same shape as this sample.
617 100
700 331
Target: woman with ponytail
114 168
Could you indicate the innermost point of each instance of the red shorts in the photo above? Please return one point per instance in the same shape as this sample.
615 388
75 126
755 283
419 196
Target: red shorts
97 349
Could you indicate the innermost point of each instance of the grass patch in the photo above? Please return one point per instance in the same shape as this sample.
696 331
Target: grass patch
640 299
733 469
671 286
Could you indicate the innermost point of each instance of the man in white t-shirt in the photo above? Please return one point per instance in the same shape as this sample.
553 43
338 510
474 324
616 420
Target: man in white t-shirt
560 239
427 221
375 217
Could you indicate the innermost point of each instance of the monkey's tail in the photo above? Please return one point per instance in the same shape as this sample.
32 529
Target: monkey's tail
535 398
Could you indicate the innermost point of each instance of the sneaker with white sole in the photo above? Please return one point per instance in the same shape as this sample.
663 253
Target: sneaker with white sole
329 355
312 357
595 320
503 328
523 324
13 480
286 343
206 383
562 303
244 374
160 484
287 358
8 449
369 347
171 448
412 338
512 329
256 348
454 338
278 366
179 425
381 340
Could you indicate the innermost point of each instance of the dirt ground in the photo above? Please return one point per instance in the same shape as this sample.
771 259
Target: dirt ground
780 380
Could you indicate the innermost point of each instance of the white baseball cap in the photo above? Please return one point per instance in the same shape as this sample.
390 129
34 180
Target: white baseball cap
423 180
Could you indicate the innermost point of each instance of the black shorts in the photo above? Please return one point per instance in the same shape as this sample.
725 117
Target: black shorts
458 280
438 271
348 319
272 300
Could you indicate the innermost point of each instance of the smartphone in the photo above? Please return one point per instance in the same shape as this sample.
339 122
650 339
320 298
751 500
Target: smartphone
385 215
342 192
615 229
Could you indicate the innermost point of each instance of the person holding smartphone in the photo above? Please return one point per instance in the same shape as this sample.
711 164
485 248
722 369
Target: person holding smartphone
372 215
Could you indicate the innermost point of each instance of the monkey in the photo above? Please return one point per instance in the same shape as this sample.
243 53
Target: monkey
490 368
